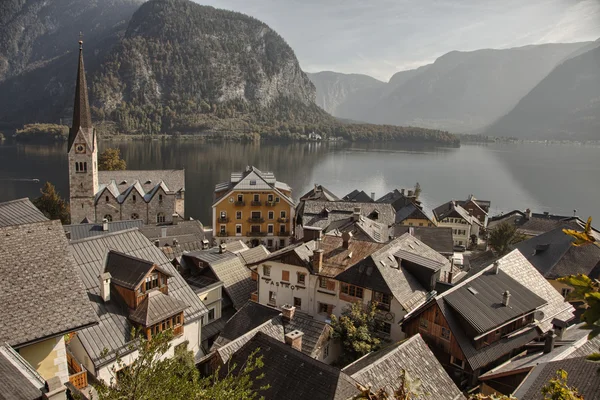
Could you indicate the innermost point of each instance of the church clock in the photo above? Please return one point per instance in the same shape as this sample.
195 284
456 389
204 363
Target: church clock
80 149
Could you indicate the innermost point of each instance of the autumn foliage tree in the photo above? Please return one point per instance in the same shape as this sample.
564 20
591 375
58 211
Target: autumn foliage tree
52 205
110 160
355 329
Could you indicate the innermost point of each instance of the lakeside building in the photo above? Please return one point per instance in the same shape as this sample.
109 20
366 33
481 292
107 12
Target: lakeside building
155 196
463 224
253 207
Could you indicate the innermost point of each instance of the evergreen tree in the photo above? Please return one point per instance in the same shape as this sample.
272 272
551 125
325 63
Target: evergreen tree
52 205
110 160
503 237
355 329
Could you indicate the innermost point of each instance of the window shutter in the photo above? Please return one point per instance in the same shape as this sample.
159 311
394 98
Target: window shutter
285 276
330 284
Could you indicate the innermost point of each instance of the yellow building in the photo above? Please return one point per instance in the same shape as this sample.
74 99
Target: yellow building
254 207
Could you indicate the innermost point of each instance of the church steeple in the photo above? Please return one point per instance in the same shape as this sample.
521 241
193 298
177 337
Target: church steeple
82 117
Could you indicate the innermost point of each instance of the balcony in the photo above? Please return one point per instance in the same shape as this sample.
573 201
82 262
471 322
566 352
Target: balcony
256 203
77 372
256 234
256 220
223 234
178 330
240 203
223 220
269 203
283 220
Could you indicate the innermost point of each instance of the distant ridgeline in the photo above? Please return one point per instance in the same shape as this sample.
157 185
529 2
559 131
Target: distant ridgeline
178 67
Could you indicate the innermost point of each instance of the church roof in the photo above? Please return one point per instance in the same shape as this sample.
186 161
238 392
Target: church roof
82 118
147 183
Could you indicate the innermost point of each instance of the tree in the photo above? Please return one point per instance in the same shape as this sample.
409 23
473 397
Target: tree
355 329
110 160
152 376
417 190
52 205
408 389
557 388
503 236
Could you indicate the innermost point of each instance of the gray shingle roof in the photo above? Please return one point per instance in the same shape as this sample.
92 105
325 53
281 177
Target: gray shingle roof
480 301
183 231
358 196
382 369
313 212
293 375
453 209
273 328
438 238
319 192
174 179
19 212
41 294
113 332
410 211
126 270
82 231
157 307
253 179
18 379
553 255
254 254
250 316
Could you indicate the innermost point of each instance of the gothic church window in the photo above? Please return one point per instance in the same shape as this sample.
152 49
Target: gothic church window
108 217
135 216
160 218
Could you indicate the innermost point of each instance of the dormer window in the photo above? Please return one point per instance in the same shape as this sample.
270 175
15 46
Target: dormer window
151 281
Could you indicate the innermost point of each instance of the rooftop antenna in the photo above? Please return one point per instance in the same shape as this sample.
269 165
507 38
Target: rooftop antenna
80 40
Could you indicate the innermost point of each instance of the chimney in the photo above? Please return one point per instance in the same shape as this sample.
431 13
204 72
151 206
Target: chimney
346 236
496 267
56 390
410 193
163 232
175 242
157 243
105 286
287 312
450 276
411 231
68 234
506 298
528 214
294 339
402 192
549 342
222 248
317 190
356 214
373 196
318 260
105 225
175 218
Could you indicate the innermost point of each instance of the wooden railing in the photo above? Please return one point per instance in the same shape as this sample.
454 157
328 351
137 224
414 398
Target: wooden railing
178 330
77 372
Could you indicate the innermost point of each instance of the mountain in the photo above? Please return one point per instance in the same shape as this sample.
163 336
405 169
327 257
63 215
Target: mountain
460 91
333 88
564 105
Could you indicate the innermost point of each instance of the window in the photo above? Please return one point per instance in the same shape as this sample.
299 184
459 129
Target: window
445 333
326 351
108 217
271 215
301 278
106 198
211 314
223 215
257 197
240 197
238 215
270 243
565 292
270 198
222 229
281 228
272 298
383 300
281 242
323 283
285 276
423 323
256 215
135 216
160 198
255 228
160 218
266 270
298 303
351 290
253 182
270 228
328 284
152 281
238 229
457 362
76 167
134 198
282 214
276 199
325 308
383 327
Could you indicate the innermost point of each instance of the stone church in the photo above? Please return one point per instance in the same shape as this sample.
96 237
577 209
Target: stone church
156 196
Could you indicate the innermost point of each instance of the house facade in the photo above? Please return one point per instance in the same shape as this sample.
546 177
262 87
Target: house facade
253 207
150 196
463 224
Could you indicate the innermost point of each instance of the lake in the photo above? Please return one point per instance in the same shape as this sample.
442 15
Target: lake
558 178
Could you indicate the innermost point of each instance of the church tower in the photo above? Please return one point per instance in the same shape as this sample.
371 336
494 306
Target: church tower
83 153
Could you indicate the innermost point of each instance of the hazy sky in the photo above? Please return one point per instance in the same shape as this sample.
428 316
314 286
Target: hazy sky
381 37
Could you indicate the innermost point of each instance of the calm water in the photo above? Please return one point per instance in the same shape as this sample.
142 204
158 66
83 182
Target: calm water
554 178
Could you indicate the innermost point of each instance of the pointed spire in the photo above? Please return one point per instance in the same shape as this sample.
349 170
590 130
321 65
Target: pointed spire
82 117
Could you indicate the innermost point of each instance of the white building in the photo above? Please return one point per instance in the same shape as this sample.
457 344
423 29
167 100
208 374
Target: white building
463 223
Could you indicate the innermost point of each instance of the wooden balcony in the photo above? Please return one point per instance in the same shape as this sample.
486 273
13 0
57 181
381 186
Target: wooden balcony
256 203
223 220
240 203
256 220
77 372
178 330
223 234
269 203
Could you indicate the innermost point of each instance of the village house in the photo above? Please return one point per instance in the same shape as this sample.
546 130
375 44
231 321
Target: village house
478 208
463 224
253 207
488 317
413 215
42 297
131 285
151 196
323 276
438 238
359 196
532 224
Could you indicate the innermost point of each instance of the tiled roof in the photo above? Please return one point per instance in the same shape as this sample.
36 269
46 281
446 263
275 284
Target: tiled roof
362 229
358 196
82 231
113 332
144 182
541 223
254 254
293 375
453 209
438 238
383 368
273 328
410 211
319 192
157 307
582 375
553 255
252 179
19 212
250 316
235 246
41 294
128 271
182 229
480 301
314 212
315 332
18 379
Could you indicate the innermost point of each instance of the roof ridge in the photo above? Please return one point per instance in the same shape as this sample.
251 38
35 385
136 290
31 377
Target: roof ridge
47 222
124 231
16 200
129 256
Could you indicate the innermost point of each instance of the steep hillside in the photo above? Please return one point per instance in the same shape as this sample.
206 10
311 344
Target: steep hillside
460 91
565 105
334 89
